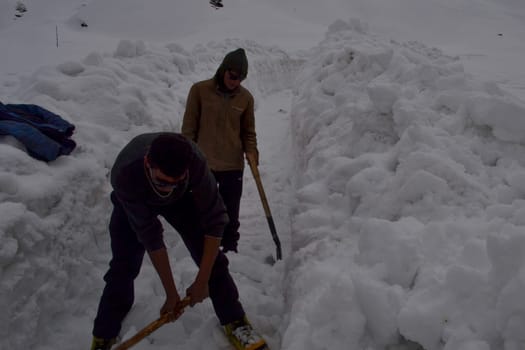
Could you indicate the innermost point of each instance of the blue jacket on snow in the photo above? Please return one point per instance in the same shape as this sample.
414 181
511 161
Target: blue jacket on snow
44 134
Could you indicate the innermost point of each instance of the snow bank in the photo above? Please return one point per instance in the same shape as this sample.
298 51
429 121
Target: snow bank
412 173
53 229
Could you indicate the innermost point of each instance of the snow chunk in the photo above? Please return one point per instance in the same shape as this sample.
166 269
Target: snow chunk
393 248
381 304
71 68
93 59
130 49
505 115
383 96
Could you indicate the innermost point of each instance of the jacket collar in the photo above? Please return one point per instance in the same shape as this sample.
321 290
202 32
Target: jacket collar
223 92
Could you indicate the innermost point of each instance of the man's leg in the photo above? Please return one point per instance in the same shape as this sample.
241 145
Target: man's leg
230 188
118 295
223 291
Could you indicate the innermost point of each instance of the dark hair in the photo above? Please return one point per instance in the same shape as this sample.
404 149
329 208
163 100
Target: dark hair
171 153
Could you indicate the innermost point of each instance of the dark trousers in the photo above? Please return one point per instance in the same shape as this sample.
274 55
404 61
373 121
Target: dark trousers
230 188
118 295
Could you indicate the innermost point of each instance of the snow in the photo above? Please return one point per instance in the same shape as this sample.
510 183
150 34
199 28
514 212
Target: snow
392 153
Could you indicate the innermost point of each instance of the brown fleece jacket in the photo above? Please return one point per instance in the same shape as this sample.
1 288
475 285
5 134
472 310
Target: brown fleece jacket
222 124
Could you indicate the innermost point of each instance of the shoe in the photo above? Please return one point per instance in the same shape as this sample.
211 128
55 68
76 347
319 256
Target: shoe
243 337
102 344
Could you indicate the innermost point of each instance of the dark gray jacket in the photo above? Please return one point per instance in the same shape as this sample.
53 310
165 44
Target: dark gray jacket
141 204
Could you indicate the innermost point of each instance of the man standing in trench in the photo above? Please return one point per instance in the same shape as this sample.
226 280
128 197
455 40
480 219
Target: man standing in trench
165 174
220 118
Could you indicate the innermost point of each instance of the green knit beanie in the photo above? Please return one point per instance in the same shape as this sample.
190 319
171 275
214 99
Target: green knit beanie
237 62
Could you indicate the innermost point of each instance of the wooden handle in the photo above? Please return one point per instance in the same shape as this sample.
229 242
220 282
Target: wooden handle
266 207
260 188
150 328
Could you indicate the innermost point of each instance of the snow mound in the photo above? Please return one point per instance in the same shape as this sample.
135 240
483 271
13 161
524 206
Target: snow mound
410 175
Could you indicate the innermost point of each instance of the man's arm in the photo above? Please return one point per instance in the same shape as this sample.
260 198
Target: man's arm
190 121
248 134
213 218
142 220
160 261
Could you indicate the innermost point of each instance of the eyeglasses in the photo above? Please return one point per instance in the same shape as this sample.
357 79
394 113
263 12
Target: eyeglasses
233 76
168 185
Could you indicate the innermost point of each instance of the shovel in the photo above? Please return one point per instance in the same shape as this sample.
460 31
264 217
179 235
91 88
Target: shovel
150 328
269 218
